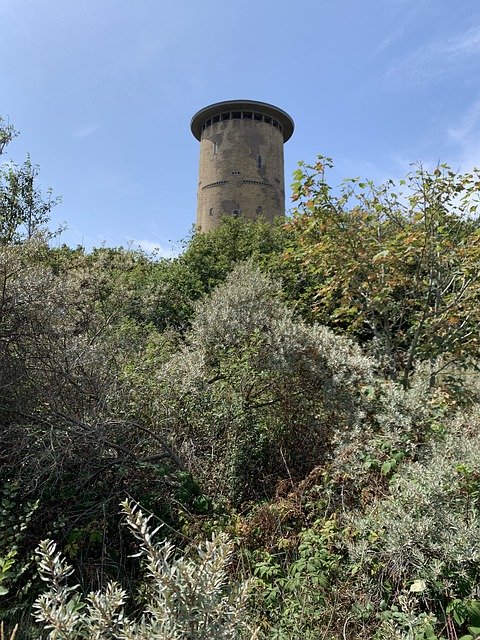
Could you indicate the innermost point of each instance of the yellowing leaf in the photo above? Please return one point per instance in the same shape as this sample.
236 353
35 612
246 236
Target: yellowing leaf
418 586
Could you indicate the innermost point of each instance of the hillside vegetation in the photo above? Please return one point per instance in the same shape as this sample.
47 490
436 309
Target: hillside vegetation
293 407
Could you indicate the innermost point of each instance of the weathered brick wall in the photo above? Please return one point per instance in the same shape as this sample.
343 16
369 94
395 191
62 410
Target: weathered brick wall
241 172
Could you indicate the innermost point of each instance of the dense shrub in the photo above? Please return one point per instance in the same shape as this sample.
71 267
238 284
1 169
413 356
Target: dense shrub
423 539
255 396
65 459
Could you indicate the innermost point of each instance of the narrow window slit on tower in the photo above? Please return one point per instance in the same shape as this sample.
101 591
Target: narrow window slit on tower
257 116
215 118
237 114
215 148
268 120
259 162
247 115
225 116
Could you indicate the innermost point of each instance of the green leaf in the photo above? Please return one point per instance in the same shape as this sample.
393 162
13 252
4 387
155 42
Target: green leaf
388 466
473 609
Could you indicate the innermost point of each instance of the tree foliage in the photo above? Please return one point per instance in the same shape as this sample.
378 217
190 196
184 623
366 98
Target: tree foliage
7 133
205 263
24 212
394 267
254 395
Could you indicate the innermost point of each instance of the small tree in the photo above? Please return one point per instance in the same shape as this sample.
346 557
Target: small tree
398 269
23 210
7 133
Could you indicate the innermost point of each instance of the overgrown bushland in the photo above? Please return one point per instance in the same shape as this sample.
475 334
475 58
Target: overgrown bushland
417 550
255 396
399 562
162 292
250 404
325 418
73 329
65 459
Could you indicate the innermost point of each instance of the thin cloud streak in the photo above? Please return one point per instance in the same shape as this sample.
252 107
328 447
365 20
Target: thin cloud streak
468 125
388 41
466 137
403 22
437 58
85 131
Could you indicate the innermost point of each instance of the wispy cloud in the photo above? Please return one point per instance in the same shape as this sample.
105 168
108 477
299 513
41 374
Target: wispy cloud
437 58
457 143
468 125
83 131
388 40
465 136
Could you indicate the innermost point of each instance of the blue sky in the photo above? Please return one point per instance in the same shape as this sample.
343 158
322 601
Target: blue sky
102 92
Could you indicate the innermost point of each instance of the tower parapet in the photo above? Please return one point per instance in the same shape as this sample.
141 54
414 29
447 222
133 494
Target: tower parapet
241 161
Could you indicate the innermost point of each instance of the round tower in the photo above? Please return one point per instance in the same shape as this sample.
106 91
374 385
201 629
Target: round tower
241 161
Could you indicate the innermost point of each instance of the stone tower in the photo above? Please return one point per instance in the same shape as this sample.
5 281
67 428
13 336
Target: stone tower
241 161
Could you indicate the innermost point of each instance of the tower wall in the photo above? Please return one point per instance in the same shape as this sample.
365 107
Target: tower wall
241 162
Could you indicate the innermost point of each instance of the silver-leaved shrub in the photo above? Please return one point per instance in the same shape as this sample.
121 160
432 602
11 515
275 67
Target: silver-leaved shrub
255 395
423 540
186 598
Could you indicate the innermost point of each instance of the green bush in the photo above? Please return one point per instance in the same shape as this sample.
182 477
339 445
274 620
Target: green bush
254 395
